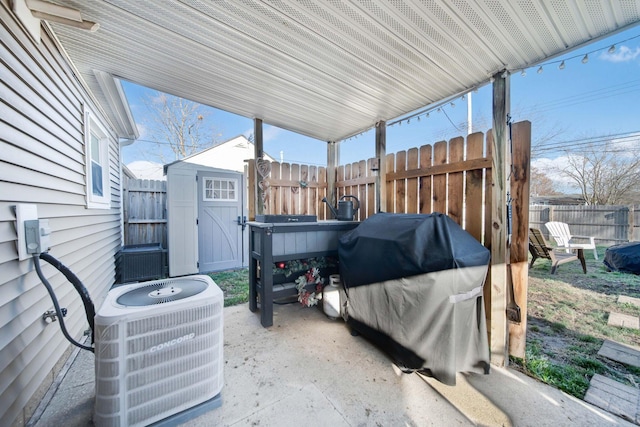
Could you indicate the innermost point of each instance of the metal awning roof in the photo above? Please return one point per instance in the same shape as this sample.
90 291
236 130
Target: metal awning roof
327 69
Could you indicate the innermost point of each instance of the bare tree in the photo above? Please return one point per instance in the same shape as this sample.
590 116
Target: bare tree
541 184
606 175
179 124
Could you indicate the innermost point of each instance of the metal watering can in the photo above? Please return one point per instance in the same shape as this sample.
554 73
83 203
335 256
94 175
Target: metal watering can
345 211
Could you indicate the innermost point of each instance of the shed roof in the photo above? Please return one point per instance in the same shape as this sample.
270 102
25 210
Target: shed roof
237 149
328 69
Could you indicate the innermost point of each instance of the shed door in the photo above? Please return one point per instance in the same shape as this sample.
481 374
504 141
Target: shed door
182 215
220 204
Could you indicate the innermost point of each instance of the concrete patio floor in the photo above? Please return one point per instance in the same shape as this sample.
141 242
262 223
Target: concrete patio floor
307 370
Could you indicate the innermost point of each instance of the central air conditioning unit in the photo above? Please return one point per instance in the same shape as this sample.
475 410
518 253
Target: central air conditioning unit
158 351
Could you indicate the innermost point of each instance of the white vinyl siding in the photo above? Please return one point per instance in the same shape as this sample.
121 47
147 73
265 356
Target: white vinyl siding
43 162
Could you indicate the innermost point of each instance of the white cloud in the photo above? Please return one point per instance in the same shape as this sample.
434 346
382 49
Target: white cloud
269 133
146 170
552 168
622 54
626 146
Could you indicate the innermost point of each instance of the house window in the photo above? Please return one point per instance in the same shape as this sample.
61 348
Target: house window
220 190
97 167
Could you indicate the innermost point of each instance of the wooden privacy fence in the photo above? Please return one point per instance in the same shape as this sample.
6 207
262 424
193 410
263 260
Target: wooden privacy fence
448 177
609 224
289 189
145 212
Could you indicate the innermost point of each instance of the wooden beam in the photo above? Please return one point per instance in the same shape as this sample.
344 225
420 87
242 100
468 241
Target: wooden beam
499 249
332 167
465 165
381 176
250 172
519 248
258 148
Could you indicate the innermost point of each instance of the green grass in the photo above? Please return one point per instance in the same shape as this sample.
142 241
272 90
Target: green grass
567 317
234 285
571 376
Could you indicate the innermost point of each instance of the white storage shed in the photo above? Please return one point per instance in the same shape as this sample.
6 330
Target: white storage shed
205 218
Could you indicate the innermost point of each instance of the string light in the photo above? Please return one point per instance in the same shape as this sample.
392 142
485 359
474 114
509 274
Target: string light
453 105
562 64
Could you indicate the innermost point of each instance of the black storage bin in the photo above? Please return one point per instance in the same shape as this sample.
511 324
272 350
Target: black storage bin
140 262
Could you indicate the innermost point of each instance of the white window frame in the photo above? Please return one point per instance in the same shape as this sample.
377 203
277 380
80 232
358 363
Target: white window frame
93 129
213 180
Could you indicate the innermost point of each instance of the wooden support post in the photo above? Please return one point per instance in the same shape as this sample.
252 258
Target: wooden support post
381 177
258 155
519 249
332 168
499 250
250 173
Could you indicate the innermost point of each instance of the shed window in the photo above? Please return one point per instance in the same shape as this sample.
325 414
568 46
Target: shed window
220 190
97 167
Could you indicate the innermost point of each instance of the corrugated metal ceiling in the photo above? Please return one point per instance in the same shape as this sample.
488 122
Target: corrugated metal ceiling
328 69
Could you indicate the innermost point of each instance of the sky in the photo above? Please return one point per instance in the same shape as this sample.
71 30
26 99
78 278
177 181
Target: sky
570 107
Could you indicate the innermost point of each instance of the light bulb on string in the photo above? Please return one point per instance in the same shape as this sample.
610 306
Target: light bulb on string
540 70
561 66
612 49
453 105
585 59
524 73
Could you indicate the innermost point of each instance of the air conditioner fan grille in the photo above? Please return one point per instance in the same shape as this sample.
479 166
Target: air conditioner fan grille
161 292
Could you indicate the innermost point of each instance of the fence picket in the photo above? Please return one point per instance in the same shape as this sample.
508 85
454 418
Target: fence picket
455 187
440 181
401 162
412 183
473 187
425 204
